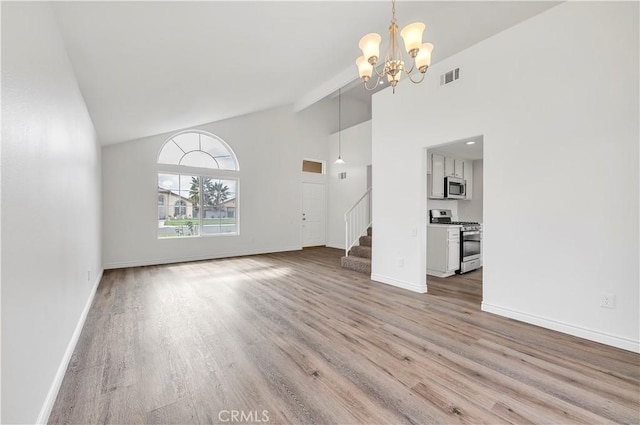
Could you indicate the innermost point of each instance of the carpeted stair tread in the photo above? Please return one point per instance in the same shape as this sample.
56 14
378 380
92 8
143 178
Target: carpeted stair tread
358 264
365 240
360 251
359 258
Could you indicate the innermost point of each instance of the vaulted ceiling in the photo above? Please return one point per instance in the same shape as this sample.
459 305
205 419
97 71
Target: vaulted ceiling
149 67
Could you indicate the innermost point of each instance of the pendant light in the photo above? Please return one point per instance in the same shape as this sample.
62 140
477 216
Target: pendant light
339 161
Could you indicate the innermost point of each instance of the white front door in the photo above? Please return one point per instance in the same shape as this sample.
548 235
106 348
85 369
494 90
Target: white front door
313 214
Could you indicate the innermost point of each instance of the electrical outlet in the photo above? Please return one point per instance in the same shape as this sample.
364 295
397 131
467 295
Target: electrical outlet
400 262
608 300
88 275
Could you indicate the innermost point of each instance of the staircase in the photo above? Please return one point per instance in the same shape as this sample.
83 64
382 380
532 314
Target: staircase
359 258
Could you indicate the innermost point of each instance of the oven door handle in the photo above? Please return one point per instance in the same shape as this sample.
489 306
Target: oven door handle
474 232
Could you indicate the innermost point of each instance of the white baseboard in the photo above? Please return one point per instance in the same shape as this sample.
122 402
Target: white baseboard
422 289
591 335
438 273
172 260
335 245
47 406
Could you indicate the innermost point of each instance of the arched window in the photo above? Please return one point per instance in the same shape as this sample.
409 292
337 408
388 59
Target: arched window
162 214
198 173
198 149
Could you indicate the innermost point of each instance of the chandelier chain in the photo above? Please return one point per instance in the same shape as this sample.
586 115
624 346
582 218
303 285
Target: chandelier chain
393 11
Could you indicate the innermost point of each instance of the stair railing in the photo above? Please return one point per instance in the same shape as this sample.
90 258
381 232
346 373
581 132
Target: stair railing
357 220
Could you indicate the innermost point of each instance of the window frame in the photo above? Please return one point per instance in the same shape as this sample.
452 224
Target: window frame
201 207
201 133
201 173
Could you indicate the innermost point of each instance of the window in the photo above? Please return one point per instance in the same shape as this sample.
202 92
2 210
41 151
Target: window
311 166
161 210
197 187
197 149
180 209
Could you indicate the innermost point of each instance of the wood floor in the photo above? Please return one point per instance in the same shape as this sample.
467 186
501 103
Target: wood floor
293 338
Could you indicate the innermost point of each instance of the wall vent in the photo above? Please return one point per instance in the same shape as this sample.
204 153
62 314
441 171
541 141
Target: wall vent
450 77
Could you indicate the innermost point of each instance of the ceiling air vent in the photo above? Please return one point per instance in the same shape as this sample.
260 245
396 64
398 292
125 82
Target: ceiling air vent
450 77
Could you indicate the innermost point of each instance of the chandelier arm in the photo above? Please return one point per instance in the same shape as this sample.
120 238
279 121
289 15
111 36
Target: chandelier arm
410 70
416 81
372 88
380 74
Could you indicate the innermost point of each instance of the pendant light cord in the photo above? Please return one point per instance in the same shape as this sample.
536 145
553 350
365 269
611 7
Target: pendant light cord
339 161
340 123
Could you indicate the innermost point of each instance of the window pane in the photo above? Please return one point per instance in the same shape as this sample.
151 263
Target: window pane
176 214
220 209
170 154
198 159
213 147
188 141
219 151
226 163
312 166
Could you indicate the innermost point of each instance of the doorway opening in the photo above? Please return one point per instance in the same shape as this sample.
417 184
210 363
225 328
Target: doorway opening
454 207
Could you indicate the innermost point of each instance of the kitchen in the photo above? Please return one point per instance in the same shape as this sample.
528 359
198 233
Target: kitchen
454 206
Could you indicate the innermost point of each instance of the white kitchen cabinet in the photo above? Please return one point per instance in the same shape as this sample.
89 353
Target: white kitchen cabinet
440 167
453 251
443 250
436 184
468 178
454 167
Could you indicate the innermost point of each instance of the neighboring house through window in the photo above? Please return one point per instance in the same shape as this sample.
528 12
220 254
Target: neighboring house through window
181 208
161 211
197 186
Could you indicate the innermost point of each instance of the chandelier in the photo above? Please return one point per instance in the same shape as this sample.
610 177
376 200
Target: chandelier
394 64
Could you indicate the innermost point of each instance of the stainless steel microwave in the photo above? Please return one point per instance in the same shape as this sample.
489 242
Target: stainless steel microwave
454 188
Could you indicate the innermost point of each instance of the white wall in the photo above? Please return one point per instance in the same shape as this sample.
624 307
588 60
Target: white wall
343 194
50 211
556 98
472 210
270 146
354 111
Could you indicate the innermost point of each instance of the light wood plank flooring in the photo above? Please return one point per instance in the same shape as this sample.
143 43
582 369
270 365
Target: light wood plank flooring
293 338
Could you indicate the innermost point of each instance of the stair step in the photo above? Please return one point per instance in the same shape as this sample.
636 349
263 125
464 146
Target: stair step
360 251
365 240
370 231
358 264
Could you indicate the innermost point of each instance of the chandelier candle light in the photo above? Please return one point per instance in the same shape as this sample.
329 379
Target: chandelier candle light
393 68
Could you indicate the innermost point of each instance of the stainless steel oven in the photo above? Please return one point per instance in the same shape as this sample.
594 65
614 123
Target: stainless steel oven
470 248
470 239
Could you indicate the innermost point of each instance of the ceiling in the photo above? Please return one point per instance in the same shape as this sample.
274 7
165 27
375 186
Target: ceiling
150 67
469 148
